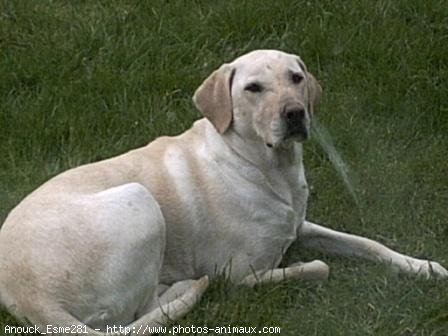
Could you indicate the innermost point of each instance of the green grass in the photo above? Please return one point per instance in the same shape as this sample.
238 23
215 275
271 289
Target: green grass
85 80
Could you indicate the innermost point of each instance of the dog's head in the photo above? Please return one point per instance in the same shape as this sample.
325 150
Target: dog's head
267 94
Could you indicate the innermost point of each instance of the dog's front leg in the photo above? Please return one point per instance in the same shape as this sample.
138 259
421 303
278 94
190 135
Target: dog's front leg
312 271
326 240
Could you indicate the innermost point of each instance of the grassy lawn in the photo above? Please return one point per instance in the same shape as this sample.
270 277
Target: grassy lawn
85 80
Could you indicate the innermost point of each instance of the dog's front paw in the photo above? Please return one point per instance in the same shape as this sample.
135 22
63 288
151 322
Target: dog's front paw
437 270
431 269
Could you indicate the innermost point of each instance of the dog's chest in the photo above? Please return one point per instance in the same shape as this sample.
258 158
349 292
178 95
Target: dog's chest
255 220
228 212
270 210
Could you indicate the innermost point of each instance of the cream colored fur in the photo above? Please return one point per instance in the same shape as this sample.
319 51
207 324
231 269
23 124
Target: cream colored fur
99 244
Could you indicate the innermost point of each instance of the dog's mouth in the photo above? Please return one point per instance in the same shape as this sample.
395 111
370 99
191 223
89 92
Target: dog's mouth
284 133
299 134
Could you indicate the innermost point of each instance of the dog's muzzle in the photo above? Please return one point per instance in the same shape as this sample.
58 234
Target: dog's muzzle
294 117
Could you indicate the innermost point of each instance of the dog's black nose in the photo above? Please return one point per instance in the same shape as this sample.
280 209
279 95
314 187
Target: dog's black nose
293 114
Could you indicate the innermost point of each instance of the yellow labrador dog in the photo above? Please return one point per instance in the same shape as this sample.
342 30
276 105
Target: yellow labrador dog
132 240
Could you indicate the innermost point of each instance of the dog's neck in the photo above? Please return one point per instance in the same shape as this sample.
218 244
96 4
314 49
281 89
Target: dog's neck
259 154
277 169
254 151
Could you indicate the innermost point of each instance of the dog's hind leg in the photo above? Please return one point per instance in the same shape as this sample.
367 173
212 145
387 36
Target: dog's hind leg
50 317
175 291
173 304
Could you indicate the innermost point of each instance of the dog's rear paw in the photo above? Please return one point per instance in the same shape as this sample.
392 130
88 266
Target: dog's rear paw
202 284
197 289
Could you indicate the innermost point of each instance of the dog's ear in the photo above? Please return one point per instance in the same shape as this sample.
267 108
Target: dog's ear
313 87
314 92
214 99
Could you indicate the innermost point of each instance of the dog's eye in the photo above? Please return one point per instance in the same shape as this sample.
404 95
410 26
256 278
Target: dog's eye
253 87
296 78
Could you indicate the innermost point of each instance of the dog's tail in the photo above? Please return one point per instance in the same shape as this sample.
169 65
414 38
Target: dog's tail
148 324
